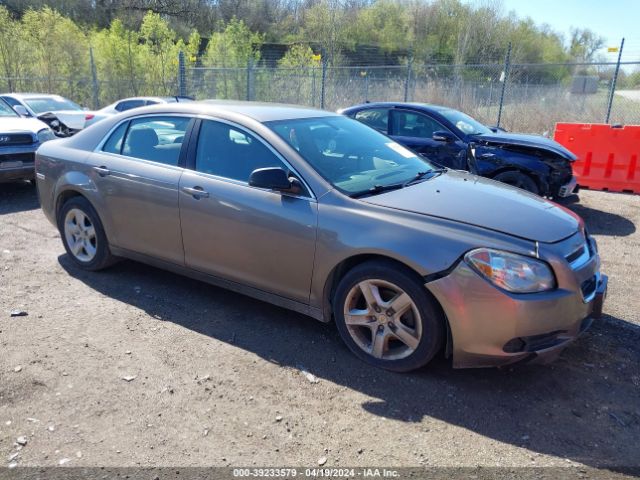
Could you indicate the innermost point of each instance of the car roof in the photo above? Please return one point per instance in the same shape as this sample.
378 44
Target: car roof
261 112
416 105
31 95
143 98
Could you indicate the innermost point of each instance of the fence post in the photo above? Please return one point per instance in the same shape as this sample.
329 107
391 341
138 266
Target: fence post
507 61
182 75
407 80
250 80
313 86
94 81
612 90
323 79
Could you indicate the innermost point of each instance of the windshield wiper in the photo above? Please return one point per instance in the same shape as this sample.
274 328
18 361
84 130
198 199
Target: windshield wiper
376 189
421 176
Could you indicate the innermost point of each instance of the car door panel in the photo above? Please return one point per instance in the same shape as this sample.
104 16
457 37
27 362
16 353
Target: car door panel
137 172
141 199
248 235
261 238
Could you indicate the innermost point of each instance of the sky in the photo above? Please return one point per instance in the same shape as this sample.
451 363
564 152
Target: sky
612 19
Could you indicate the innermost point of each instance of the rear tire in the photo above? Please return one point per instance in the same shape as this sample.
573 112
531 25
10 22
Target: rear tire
83 235
387 318
519 180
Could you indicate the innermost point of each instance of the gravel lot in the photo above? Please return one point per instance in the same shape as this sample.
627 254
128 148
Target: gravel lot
218 376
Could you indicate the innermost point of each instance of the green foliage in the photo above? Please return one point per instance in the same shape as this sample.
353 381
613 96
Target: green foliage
233 47
299 56
45 46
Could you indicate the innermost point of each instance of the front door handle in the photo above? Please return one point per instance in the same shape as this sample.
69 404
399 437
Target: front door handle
102 171
197 192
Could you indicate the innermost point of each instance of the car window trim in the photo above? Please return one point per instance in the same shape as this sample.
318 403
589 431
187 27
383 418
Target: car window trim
192 152
183 149
419 112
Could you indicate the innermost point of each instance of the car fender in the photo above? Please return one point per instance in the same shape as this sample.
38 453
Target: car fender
493 160
77 182
426 245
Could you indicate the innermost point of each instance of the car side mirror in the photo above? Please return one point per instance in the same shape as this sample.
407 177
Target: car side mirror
443 136
273 178
21 110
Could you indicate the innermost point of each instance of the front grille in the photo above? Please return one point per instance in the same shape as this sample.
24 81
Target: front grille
25 158
589 286
12 139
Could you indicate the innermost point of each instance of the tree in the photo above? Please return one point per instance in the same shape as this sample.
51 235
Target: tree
584 44
160 53
60 51
235 47
14 50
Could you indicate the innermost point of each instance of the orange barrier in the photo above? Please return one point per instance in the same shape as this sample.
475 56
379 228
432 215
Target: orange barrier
607 156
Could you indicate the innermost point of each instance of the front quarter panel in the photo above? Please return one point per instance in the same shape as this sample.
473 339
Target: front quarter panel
428 245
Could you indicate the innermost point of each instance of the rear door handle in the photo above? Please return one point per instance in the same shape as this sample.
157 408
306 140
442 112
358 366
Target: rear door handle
102 171
197 192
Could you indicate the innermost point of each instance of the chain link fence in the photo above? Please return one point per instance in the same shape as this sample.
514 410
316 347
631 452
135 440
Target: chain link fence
520 97
526 97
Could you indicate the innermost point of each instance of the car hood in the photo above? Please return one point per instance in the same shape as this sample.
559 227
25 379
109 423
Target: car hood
534 141
19 124
478 201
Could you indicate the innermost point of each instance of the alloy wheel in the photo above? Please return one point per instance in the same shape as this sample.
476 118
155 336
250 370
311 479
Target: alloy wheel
80 235
382 319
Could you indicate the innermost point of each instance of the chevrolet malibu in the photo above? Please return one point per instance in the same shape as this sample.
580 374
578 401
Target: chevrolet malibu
323 215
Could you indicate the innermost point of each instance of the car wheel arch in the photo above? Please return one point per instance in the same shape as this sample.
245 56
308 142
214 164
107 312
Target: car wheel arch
69 193
542 186
341 269
347 264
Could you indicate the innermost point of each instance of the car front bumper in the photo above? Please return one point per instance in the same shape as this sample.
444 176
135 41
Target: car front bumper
491 327
568 189
19 171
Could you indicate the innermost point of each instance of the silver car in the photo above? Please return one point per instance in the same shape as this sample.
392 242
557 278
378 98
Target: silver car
321 214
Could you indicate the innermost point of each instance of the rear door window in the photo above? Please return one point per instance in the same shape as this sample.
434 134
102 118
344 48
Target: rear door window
377 118
158 138
114 143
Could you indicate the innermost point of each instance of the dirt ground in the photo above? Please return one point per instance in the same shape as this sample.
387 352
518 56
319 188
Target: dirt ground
218 376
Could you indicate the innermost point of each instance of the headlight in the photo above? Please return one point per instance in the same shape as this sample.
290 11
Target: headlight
510 271
45 134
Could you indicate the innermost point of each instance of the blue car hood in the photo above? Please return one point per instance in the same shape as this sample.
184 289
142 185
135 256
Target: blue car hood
534 141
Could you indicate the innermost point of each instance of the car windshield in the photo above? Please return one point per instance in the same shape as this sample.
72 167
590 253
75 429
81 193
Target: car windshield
50 104
466 124
6 110
353 157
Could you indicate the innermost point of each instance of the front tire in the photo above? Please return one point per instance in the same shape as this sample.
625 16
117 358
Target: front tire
83 235
387 318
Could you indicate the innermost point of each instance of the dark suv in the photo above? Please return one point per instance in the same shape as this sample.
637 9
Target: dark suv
455 140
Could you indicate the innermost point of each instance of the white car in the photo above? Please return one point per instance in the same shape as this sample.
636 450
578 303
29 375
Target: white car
19 140
61 114
129 103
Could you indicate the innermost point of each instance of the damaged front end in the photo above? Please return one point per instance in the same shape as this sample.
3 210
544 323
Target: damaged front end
548 163
59 128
